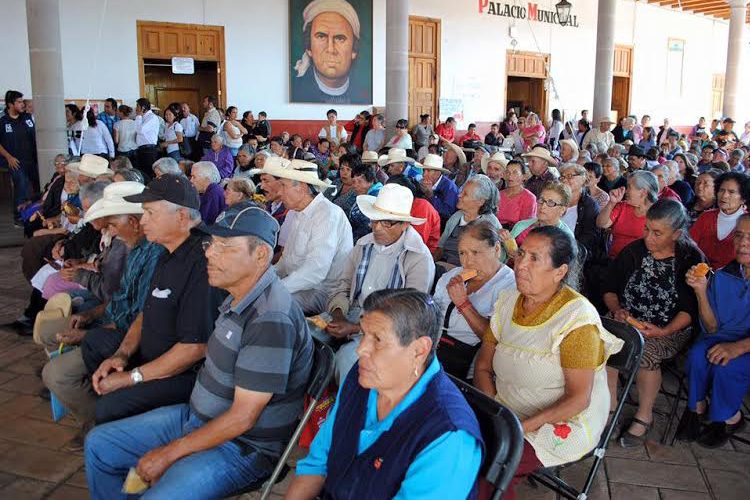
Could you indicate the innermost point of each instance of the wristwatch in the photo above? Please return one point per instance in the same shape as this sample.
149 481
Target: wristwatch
136 376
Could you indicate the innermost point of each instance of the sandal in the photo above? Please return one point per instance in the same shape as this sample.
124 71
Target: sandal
629 440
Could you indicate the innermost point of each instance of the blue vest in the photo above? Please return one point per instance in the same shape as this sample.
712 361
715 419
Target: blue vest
380 470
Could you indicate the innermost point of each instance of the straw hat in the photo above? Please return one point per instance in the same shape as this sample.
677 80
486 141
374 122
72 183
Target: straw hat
434 162
459 152
606 119
392 203
571 143
369 157
296 170
113 202
540 152
497 158
395 155
91 166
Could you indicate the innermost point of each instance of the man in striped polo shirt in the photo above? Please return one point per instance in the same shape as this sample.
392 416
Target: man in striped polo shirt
248 395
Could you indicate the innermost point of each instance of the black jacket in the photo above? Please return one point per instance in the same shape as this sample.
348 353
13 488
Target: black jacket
587 234
52 206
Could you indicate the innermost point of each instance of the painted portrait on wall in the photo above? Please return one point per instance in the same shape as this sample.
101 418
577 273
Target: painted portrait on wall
331 51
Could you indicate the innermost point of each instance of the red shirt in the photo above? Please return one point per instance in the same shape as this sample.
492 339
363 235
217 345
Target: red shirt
430 230
704 232
470 136
515 208
447 133
626 227
669 194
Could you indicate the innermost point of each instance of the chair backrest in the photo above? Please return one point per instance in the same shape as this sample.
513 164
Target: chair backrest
502 434
322 369
629 357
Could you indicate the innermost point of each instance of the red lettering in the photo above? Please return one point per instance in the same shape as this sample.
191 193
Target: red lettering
533 11
483 5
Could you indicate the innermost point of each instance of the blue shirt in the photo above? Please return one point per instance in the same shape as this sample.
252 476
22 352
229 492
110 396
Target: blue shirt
109 121
454 457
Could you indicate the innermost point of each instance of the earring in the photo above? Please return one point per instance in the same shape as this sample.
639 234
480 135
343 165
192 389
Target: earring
416 371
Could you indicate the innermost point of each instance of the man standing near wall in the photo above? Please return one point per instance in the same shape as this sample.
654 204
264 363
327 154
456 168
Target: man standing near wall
18 149
109 115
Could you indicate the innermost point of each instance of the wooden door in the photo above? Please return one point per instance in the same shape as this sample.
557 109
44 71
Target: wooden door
535 67
621 95
166 96
424 68
717 95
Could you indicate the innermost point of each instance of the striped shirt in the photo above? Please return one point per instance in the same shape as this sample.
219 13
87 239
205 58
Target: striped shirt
262 344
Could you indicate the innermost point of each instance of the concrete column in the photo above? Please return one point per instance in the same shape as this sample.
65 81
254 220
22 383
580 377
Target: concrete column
605 57
734 57
45 56
396 63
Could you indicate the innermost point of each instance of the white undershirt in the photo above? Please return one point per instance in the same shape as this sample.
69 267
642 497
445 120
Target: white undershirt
726 223
571 217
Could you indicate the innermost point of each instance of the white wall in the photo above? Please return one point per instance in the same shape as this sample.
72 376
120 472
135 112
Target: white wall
14 57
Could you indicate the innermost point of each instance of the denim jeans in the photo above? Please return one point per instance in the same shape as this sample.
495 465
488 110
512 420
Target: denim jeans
113 448
20 186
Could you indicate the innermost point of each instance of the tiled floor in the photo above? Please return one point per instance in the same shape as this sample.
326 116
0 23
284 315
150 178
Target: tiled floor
33 466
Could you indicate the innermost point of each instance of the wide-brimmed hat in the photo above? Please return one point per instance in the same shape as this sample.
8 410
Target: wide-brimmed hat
434 162
91 166
395 155
370 157
541 152
605 119
113 202
497 158
459 152
296 170
571 143
392 203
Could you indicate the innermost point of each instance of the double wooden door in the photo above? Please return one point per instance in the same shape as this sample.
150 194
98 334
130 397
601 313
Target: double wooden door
424 68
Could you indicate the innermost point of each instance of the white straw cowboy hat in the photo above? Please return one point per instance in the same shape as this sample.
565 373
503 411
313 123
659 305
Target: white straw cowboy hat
296 170
543 153
370 157
459 152
91 166
496 158
113 202
395 155
571 143
392 203
434 162
605 119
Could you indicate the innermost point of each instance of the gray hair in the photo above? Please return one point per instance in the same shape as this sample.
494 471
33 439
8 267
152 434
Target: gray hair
167 165
130 174
664 168
93 191
193 213
672 212
207 170
674 170
644 179
485 190
218 137
579 169
613 162
254 242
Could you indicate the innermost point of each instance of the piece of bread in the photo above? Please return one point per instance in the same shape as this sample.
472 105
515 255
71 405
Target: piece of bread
510 245
467 274
318 322
701 270
634 322
134 485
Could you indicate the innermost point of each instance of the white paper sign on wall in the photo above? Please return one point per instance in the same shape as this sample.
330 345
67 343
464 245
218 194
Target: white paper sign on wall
183 66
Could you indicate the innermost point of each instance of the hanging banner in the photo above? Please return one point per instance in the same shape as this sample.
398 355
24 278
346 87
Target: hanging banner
530 11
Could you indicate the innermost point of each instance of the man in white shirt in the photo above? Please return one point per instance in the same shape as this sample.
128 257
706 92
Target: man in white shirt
210 124
320 236
393 255
190 125
602 138
146 137
335 133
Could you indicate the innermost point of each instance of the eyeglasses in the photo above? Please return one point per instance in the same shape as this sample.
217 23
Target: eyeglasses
385 223
570 177
218 245
549 203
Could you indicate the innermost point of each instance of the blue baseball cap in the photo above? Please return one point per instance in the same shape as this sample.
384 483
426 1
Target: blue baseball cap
244 219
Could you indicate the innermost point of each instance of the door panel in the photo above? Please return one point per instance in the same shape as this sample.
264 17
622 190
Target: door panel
621 95
424 67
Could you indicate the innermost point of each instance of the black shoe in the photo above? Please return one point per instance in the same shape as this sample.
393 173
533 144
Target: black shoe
717 434
689 428
44 393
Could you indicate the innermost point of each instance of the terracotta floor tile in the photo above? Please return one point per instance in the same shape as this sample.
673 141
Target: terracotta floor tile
729 485
78 479
723 460
67 492
39 463
27 366
642 473
36 432
26 489
679 453
16 353
683 495
20 405
25 384
622 491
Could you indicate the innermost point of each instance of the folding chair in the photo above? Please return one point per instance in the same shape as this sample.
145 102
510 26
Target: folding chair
320 377
626 362
503 437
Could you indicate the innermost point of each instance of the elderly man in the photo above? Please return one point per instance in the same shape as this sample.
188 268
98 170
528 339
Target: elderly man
397 162
331 35
248 395
602 138
320 236
636 158
166 165
568 151
67 375
393 255
540 161
438 188
735 161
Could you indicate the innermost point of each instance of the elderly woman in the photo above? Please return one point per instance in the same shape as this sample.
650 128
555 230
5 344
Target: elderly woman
345 196
516 202
664 177
166 165
220 156
551 206
494 167
719 363
544 354
466 305
50 204
238 190
705 194
401 138
205 177
477 201
677 185
454 159
582 209
397 410
244 162
647 284
593 177
714 229
626 220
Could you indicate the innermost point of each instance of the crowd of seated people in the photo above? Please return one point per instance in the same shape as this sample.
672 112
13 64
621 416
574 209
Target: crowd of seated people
183 350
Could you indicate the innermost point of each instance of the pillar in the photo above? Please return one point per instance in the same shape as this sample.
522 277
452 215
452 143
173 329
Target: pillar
734 57
605 58
396 63
45 57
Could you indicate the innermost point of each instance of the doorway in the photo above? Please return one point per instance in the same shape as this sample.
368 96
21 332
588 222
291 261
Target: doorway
526 73
162 87
526 94
424 68
622 69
